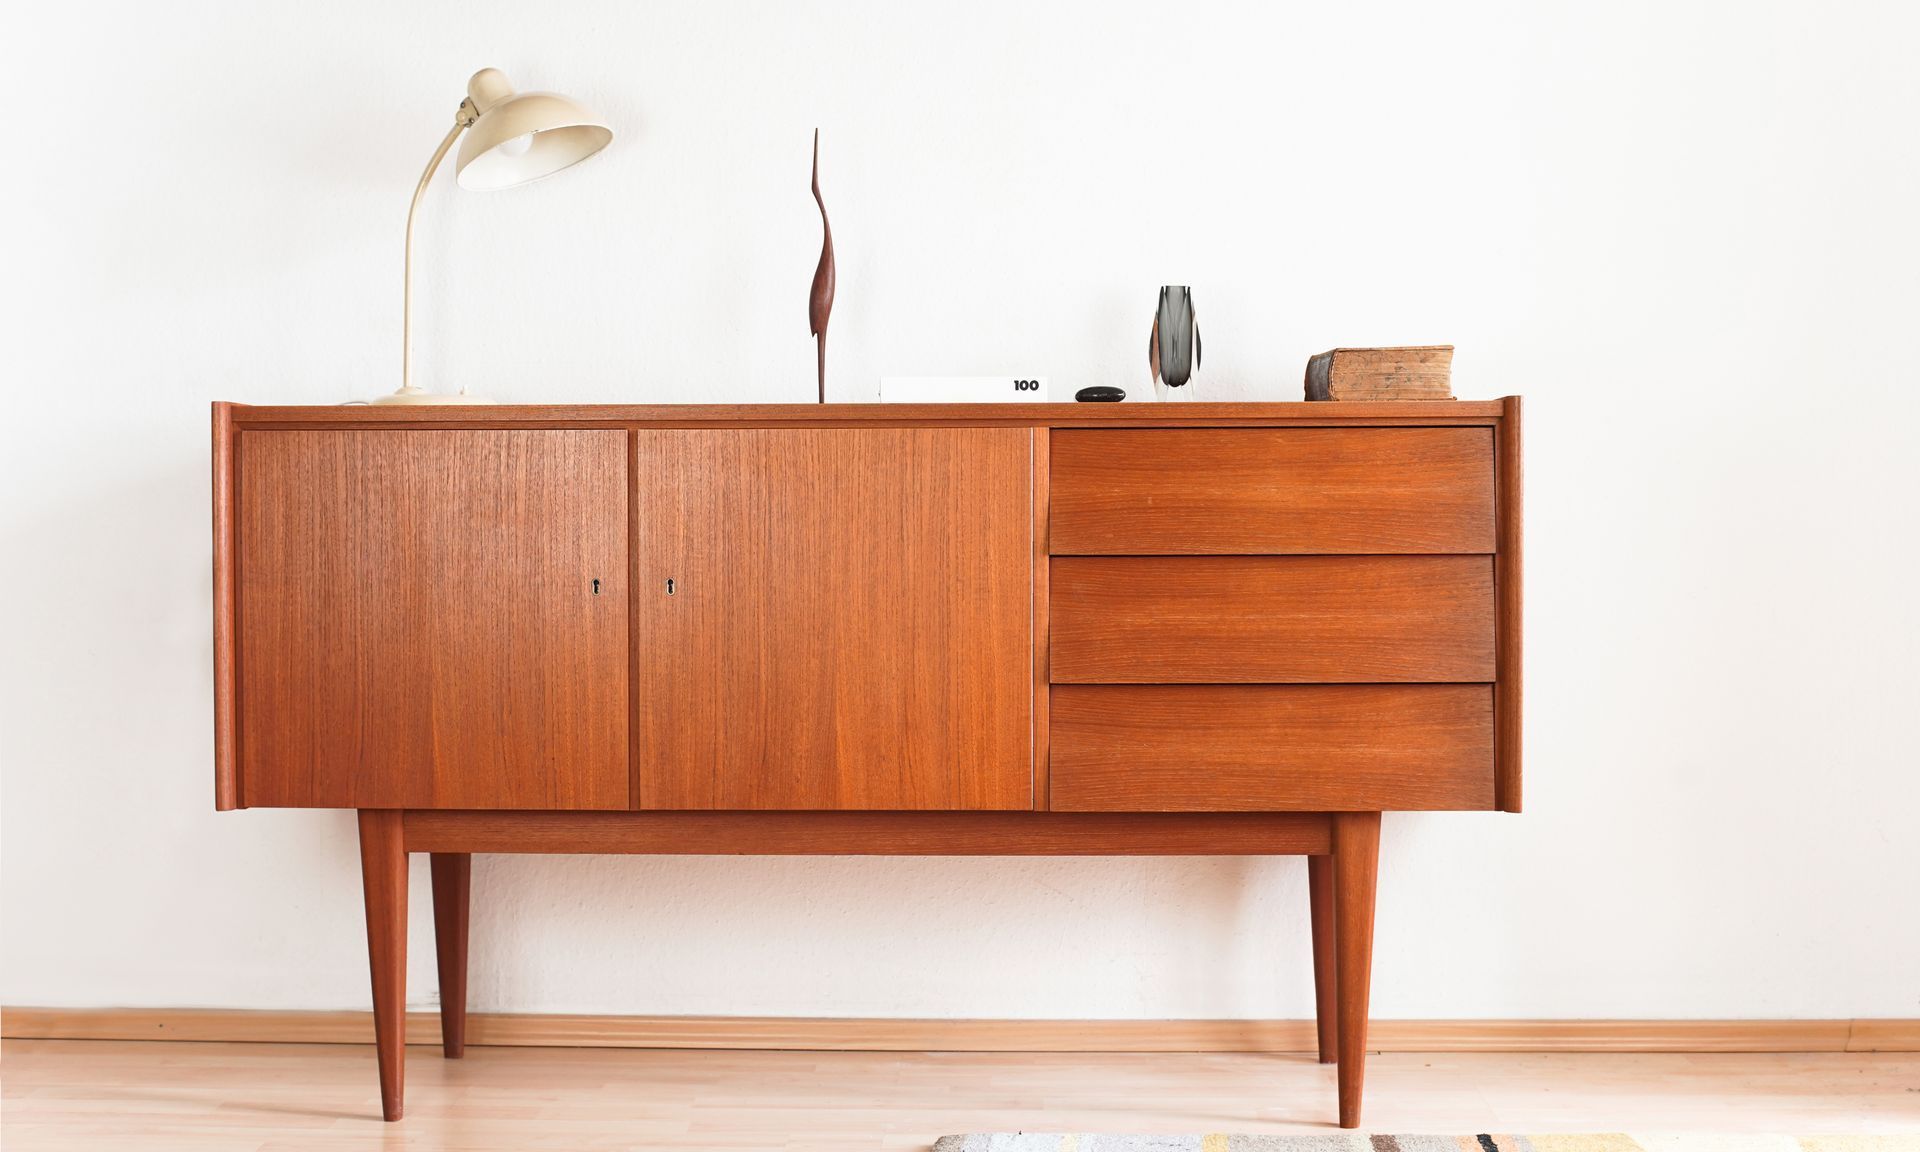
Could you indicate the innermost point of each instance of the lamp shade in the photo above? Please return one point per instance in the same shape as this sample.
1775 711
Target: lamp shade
522 136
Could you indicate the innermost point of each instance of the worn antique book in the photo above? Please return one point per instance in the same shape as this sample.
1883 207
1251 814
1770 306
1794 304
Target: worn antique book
1422 373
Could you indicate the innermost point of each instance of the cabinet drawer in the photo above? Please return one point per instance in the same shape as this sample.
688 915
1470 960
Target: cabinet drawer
1168 491
1243 748
1270 619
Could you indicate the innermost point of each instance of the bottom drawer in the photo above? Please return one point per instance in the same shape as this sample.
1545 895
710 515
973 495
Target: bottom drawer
1271 747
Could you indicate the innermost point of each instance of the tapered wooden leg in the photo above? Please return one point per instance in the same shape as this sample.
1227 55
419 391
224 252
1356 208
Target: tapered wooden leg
452 880
383 869
1320 899
1356 864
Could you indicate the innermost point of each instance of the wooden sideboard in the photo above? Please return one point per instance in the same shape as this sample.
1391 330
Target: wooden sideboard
1026 629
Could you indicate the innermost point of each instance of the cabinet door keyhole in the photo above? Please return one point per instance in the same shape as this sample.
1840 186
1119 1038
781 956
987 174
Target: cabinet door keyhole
596 587
669 585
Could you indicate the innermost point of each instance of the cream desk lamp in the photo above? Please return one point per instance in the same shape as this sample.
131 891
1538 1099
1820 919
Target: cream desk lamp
512 138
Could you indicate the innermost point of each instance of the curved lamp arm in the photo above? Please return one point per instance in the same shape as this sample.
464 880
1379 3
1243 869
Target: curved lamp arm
463 119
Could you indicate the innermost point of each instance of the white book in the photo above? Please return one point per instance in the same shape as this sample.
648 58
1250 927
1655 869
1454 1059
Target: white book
962 389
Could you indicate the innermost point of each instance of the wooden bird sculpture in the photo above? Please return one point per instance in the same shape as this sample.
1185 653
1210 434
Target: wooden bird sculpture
820 300
1173 348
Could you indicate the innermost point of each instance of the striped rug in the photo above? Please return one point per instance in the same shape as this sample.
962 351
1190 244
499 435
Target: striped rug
1355 1142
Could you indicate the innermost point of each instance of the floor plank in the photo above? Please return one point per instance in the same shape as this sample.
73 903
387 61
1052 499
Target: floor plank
63 1094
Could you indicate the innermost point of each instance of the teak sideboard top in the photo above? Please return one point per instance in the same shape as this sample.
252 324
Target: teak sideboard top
1190 607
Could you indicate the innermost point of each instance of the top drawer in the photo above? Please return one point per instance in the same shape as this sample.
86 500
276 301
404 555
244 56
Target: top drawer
1253 491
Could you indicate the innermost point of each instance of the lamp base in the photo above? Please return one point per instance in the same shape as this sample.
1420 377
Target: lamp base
421 396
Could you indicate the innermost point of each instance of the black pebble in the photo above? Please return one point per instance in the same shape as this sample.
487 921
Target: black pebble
1100 394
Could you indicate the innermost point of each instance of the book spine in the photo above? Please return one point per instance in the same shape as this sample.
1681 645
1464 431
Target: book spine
1319 373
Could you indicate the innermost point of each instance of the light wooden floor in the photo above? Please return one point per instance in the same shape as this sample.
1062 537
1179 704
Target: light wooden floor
65 1094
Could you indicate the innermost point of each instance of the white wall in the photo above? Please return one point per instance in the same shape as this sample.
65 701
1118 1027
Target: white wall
1685 232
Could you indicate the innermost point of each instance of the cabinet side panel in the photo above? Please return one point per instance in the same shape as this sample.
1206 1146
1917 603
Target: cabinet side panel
1507 585
419 620
1042 616
849 625
226 769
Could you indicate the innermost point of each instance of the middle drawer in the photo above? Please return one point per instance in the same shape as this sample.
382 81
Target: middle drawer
1270 619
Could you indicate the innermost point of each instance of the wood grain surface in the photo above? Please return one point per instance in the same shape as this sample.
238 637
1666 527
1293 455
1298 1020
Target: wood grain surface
63 1096
1326 1010
890 1034
1296 747
1042 609
850 625
1264 491
418 624
451 874
1290 413
874 833
1507 702
226 726
1271 619
1356 868
383 873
